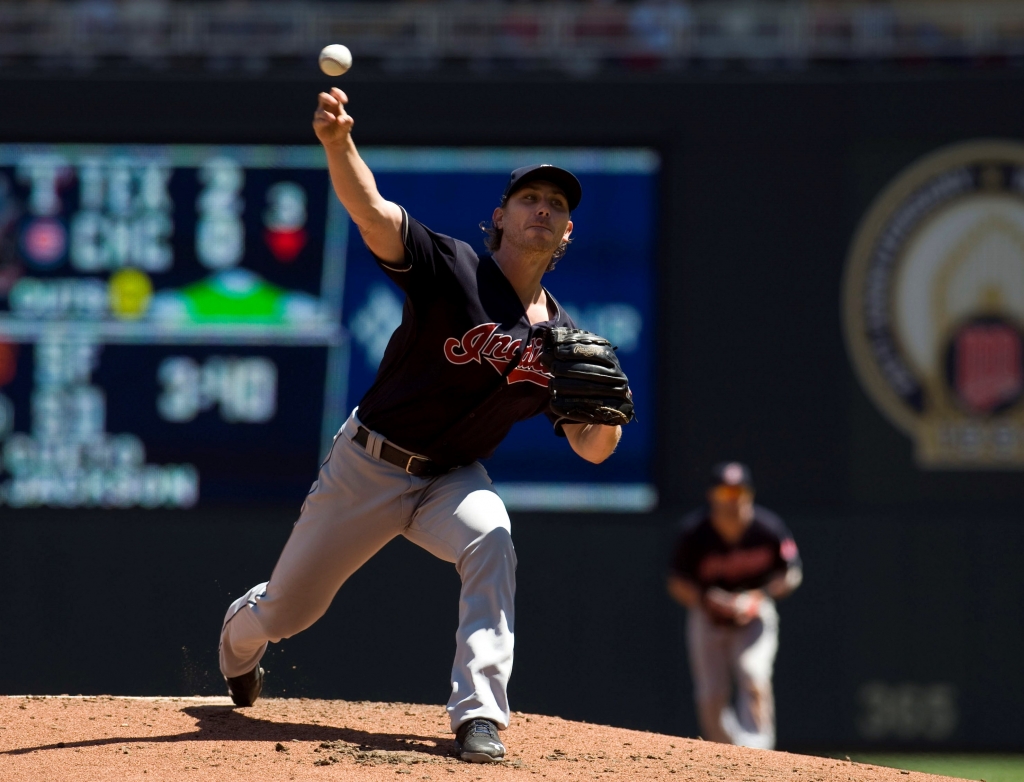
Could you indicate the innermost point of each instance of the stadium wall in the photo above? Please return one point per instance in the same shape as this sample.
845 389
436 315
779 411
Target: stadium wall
912 593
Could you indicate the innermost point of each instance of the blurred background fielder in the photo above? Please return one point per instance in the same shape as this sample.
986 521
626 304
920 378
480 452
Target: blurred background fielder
732 560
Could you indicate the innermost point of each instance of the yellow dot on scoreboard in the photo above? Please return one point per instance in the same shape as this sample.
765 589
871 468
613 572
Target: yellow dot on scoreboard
130 293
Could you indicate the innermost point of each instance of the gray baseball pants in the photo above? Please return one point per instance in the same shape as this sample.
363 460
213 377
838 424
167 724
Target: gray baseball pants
357 505
721 655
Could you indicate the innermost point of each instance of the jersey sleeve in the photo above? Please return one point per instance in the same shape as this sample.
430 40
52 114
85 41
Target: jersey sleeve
426 253
787 555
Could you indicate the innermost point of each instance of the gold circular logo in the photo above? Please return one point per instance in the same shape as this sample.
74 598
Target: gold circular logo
933 305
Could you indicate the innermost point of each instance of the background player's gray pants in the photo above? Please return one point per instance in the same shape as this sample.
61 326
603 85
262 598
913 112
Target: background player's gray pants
356 506
721 655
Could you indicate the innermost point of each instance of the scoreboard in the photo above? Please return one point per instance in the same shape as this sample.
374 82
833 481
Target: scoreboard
190 324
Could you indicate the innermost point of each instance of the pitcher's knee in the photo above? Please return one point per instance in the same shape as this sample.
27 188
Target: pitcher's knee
492 552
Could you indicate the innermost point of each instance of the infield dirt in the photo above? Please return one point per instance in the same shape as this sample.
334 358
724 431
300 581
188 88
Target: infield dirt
102 738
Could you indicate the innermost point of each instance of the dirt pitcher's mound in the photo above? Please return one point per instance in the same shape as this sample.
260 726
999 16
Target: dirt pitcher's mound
106 738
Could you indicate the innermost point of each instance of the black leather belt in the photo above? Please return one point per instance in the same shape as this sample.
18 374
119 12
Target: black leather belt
412 463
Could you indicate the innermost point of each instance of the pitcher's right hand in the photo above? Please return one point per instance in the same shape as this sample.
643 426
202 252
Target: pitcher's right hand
331 122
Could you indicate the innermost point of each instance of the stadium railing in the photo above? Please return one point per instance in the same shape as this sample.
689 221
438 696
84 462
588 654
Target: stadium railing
556 32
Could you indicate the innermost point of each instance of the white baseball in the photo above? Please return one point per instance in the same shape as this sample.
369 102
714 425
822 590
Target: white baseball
335 59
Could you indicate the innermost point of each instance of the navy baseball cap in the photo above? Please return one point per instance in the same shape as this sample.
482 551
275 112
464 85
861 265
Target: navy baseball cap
731 474
549 173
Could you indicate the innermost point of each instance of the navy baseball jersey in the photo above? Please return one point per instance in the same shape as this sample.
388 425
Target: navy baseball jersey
446 388
766 549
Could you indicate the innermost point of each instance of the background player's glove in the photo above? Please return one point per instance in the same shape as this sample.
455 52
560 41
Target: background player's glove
738 607
587 386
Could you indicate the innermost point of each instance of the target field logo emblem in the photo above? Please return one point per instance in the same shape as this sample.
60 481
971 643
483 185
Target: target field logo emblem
933 306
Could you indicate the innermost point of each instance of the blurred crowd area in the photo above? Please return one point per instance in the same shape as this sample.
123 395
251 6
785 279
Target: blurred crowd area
580 37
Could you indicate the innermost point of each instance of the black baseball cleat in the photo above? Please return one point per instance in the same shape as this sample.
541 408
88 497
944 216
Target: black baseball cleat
245 689
477 741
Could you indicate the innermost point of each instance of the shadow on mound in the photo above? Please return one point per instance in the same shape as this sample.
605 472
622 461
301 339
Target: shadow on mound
226 723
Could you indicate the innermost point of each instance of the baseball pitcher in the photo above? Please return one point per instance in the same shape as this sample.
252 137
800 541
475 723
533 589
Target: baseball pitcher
732 560
482 345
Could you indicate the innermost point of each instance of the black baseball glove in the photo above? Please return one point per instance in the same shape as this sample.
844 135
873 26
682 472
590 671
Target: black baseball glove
587 386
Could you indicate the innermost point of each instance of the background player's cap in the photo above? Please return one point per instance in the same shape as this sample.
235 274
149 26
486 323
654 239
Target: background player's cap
731 474
559 176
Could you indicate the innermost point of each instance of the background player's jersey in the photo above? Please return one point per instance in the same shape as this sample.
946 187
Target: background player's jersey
766 549
445 387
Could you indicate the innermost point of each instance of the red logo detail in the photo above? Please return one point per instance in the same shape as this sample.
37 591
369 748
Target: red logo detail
8 362
735 565
470 346
44 241
529 369
788 550
988 366
483 342
285 245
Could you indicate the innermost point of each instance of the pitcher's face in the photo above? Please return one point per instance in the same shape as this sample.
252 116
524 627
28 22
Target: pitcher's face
535 217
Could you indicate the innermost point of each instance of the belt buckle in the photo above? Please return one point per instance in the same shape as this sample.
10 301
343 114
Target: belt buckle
408 464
